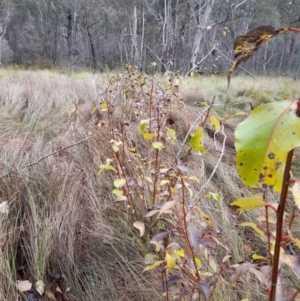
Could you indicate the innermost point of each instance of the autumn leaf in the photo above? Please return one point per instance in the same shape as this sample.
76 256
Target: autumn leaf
157 145
254 227
24 285
40 287
262 142
106 166
148 136
104 107
216 123
172 134
119 183
250 203
258 257
117 192
195 140
140 226
153 265
240 270
296 193
166 207
194 237
143 125
170 261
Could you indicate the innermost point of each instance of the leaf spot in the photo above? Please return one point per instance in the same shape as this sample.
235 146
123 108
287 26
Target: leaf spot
271 156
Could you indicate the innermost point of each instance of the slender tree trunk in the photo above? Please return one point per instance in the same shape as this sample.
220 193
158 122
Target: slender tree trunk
142 38
92 48
134 37
199 33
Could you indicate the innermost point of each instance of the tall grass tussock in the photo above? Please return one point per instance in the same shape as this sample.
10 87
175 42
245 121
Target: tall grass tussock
63 224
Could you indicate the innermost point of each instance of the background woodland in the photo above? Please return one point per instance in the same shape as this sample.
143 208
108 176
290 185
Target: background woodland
177 35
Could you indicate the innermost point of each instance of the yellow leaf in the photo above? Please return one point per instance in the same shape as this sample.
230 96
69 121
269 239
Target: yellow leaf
198 262
246 204
215 196
117 192
148 180
258 257
153 265
148 136
172 134
71 111
297 242
254 227
95 108
157 145
106 166
192 178
205 216
216 123
195 141
115 145
143 125
104 106
119 183
164 182
132 149
170 260
192 75
296 193
179 252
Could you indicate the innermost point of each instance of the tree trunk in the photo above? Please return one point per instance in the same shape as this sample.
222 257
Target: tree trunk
199 33
92 48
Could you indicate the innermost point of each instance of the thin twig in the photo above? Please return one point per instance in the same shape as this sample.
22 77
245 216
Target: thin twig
195 199
279 224
57 151
190 130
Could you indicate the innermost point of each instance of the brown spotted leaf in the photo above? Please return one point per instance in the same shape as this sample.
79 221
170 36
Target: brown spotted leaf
262 142
245 45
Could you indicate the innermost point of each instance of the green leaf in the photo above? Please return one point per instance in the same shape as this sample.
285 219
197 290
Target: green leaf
246 204
195 141
263 141
172 134
157 145
148 136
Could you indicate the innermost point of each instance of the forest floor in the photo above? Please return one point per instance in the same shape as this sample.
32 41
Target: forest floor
62 224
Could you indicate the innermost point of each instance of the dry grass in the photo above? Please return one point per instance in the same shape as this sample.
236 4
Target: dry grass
63 221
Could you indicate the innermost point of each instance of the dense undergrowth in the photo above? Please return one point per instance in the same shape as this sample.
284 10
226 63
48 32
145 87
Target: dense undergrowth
65 140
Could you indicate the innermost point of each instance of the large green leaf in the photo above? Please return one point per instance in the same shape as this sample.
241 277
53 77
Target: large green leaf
263 141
